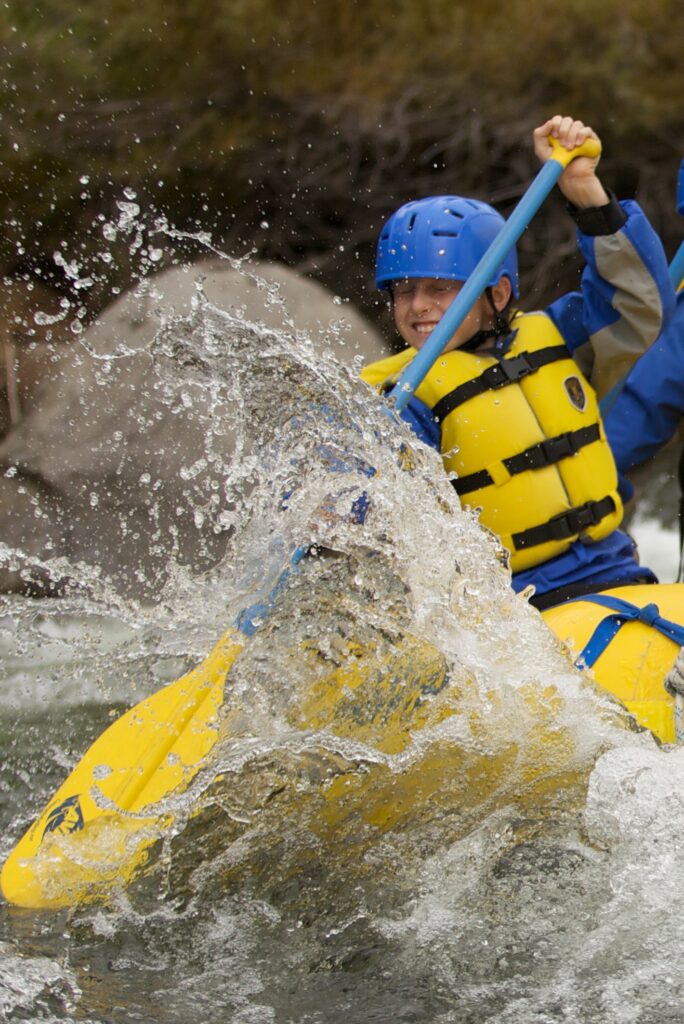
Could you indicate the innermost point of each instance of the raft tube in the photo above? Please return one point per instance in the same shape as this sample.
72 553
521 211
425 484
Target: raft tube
639 652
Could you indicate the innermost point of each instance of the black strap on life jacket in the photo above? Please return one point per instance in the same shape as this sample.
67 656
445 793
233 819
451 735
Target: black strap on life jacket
506 371
537 456
566 525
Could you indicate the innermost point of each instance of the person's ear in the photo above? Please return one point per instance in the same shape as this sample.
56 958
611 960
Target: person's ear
501 293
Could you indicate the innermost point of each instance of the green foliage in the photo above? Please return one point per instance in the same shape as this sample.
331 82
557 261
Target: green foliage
317 116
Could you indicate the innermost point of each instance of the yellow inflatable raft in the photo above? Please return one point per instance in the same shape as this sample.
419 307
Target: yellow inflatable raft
629 638
121 797
99 827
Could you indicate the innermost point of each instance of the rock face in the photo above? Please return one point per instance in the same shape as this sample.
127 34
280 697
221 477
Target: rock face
25 350
96 470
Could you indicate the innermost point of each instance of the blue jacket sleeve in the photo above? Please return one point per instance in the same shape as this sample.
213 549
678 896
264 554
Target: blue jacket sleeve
626 297
645 412
423 424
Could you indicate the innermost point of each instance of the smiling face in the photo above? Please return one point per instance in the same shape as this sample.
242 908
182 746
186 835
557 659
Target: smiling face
420 303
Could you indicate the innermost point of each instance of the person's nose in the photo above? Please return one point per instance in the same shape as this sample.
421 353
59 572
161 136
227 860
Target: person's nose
420 300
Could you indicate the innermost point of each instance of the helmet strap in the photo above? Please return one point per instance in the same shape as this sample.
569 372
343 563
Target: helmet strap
499 329
501 319
478 340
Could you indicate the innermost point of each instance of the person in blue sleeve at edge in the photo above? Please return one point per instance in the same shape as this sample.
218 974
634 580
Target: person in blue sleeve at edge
508 403
644 411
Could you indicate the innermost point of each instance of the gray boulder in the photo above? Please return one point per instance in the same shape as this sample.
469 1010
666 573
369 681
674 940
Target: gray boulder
96 471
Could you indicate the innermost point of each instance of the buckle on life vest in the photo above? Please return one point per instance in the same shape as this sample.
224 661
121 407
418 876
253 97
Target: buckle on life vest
577 519
565 525
508 371
560 447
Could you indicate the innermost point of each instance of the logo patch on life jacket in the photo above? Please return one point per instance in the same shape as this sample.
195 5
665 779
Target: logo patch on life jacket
576 393
65 818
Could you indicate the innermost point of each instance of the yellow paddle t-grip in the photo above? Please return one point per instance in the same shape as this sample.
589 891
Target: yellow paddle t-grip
563 156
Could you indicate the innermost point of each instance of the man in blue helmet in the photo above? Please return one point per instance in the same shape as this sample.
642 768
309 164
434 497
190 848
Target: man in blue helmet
509 403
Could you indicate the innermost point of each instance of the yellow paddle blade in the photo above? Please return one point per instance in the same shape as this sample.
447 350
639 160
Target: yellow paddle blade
97 831
96 828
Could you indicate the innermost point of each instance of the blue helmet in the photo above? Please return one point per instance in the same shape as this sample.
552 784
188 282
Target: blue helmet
442 236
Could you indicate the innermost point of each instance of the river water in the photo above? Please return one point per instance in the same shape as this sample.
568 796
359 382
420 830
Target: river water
518 860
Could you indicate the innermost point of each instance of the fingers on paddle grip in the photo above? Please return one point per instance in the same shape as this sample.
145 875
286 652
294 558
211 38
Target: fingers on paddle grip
563 156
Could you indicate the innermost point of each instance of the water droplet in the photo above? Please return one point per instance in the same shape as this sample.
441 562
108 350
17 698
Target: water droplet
45 319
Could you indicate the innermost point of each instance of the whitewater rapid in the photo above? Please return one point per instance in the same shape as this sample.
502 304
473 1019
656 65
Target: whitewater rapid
516 861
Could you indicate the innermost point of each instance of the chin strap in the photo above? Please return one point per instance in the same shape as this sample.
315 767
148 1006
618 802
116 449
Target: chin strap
478 340
500 329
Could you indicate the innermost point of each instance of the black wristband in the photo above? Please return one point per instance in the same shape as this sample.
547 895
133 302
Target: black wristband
599 220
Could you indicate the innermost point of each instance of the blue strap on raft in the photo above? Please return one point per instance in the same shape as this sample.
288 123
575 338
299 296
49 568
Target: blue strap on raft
624 612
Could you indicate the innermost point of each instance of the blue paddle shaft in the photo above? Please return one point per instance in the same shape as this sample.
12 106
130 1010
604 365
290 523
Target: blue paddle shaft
249 619
680 190
677 267
519 219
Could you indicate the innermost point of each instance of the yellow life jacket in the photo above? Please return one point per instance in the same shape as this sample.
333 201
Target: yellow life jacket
524 436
